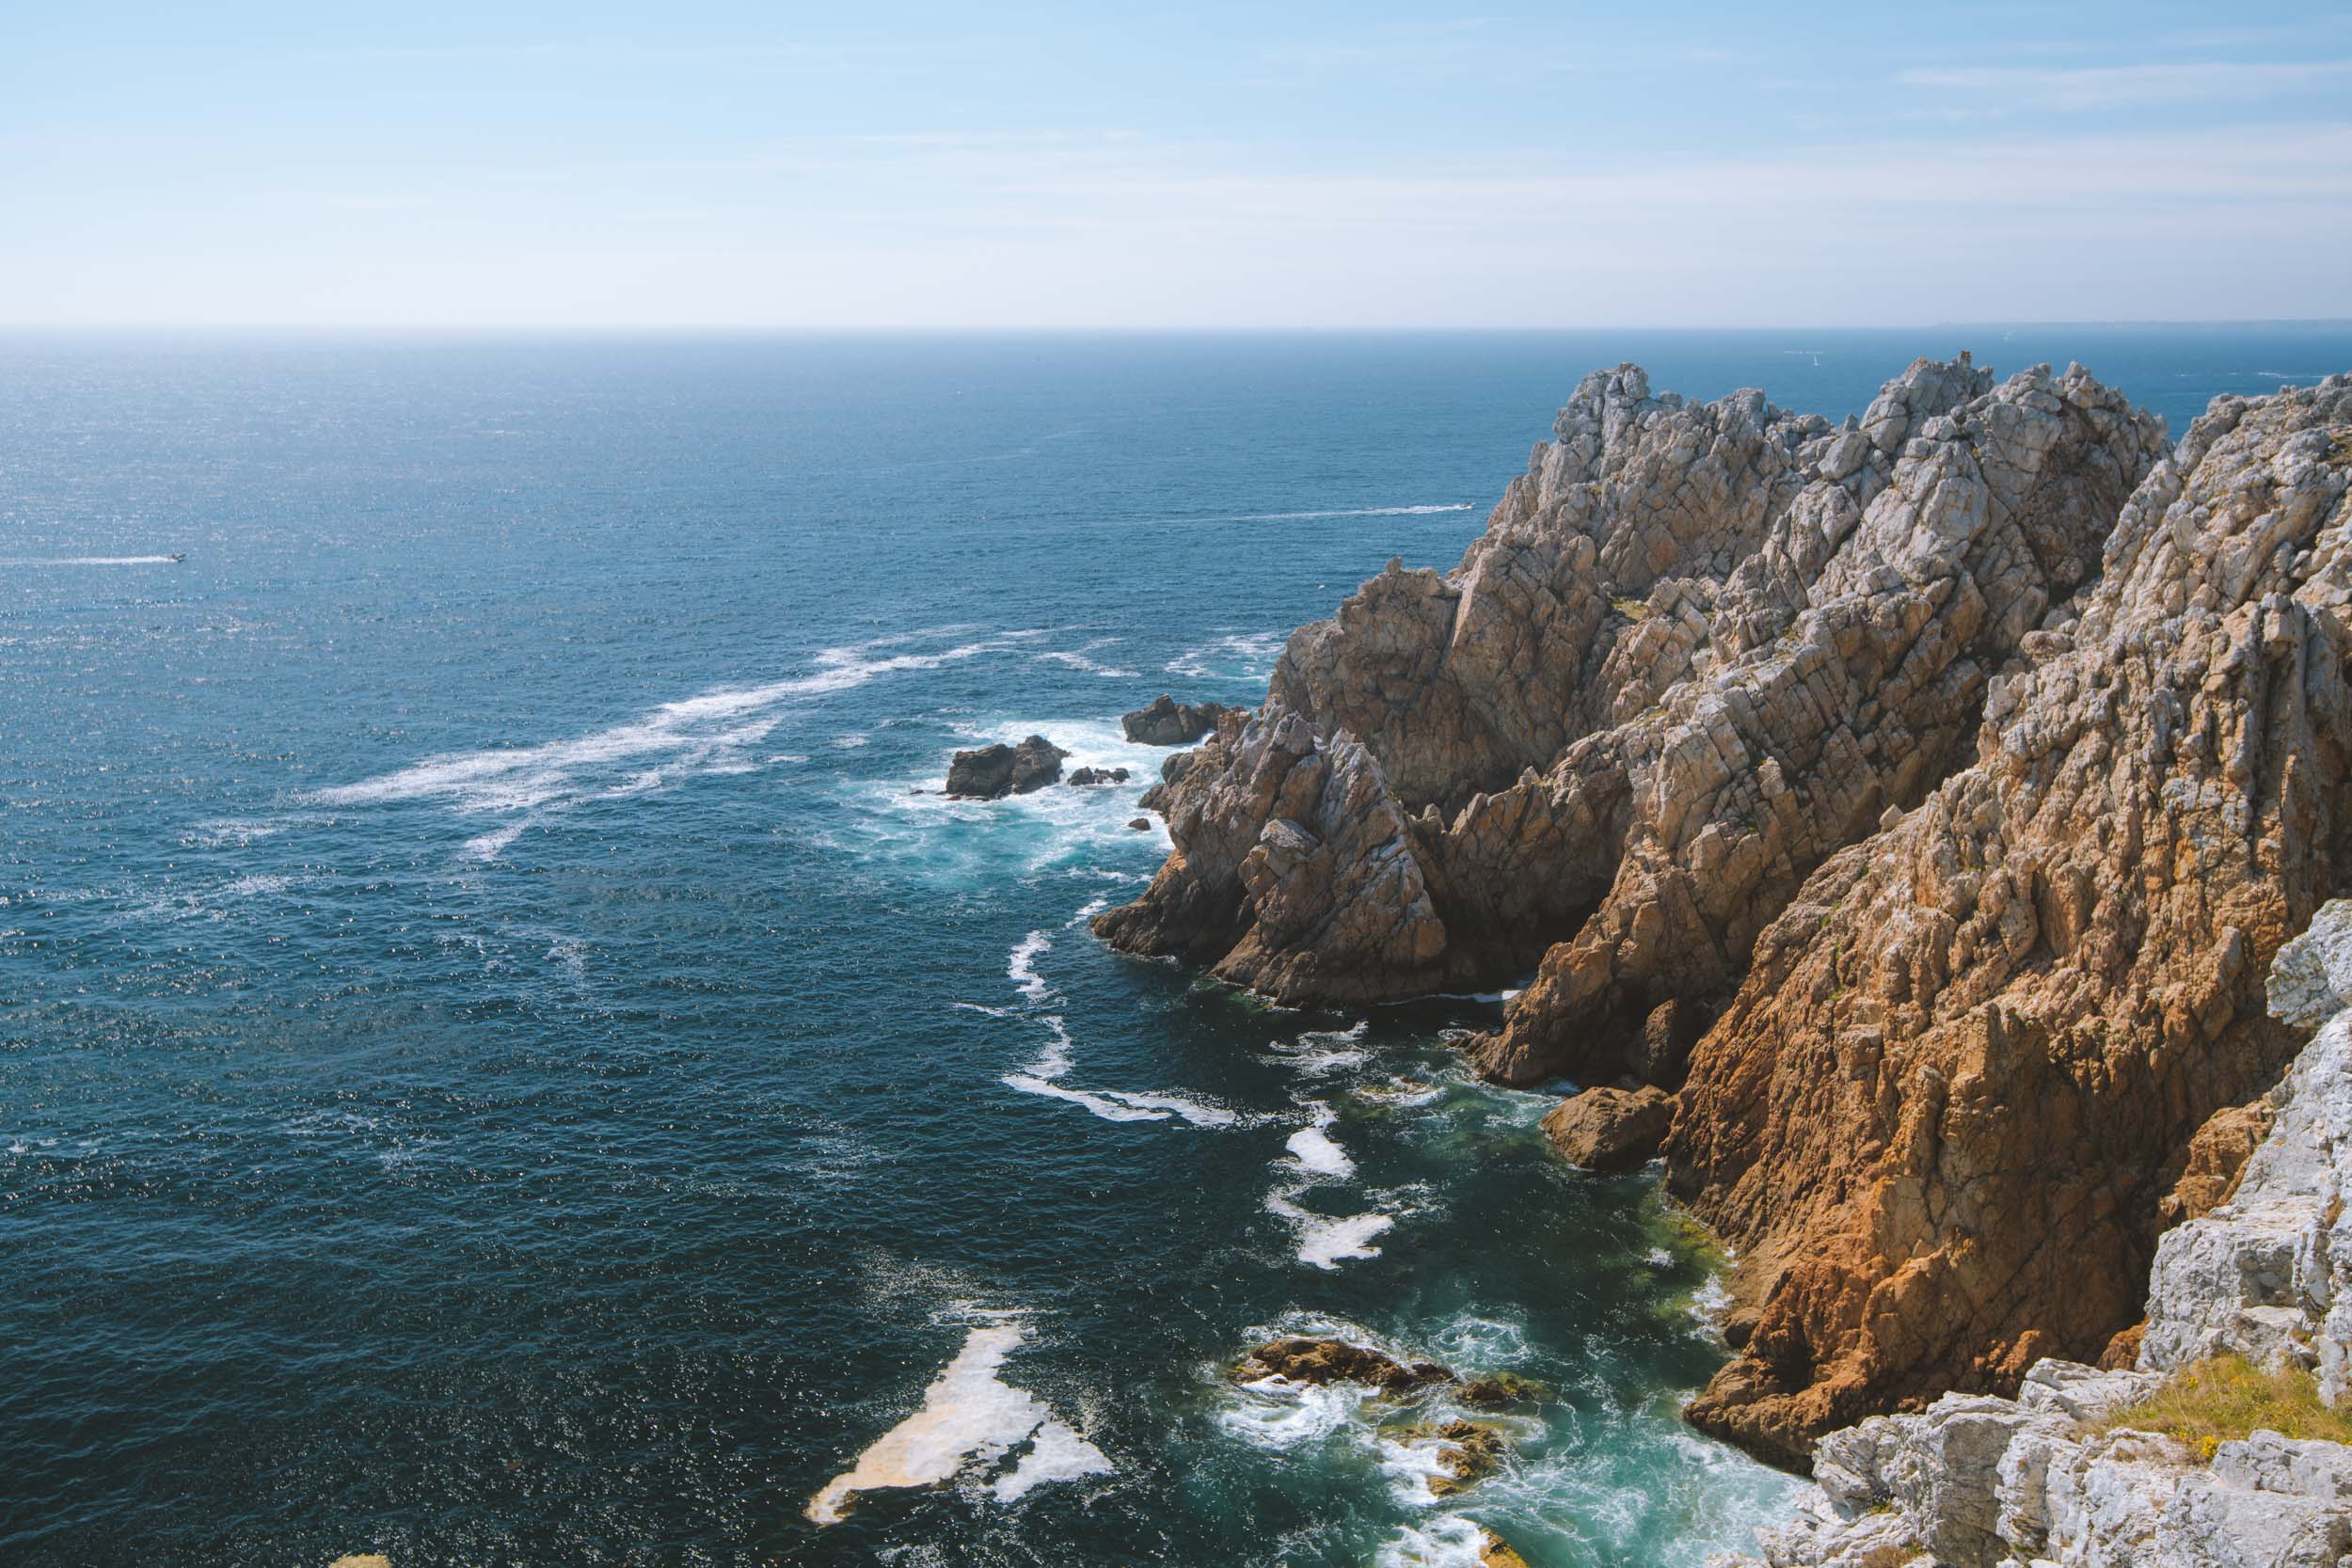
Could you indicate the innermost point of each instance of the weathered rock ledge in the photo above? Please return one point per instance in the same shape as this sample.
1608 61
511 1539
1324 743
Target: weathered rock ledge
1975 1481
1922 800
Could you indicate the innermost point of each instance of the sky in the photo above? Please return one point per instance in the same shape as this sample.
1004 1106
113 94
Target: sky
1358 166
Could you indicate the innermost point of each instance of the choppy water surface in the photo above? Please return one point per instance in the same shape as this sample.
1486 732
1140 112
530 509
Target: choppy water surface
506 1063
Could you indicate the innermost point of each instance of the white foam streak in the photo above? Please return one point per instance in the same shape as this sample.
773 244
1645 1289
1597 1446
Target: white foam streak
969 1418
1423 510
1057 1452
707 733
1108 1109
1248 656
487 847
1325 1050
1327 1243
1313 1147
1191 1110
91 560
1078 658
1055 1059
1022 967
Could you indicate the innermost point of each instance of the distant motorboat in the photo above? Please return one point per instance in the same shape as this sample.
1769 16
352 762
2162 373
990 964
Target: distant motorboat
175 556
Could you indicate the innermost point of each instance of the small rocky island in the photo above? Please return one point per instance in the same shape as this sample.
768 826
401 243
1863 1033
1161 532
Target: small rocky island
1169 723
1899 818
993 771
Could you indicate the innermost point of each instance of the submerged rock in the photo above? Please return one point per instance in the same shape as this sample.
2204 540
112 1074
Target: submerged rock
1000 769
1097 776
1169 723
1611 1130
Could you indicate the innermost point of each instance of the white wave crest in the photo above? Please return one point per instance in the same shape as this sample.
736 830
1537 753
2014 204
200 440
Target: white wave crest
1121 1106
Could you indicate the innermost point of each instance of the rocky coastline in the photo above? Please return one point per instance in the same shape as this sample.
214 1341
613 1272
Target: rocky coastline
1914 806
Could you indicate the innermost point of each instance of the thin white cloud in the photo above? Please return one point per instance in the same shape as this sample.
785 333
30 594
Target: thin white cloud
2115 87
967 227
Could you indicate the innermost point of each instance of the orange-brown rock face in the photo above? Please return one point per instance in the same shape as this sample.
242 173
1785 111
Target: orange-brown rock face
1970 1060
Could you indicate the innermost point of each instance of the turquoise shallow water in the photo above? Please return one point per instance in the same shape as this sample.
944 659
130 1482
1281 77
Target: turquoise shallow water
501 1066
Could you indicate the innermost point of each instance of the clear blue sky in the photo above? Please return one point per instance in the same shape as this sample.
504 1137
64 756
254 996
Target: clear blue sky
1357 165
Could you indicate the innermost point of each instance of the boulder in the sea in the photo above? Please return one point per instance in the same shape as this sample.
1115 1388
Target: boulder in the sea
1319 1361
1097 776
1608 1129
1140 823
1495 1552
1169 723
1496 1391
1470 1453
1000 769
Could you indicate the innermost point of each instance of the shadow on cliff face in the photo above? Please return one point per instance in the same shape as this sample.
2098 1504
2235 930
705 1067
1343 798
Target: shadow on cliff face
1931 792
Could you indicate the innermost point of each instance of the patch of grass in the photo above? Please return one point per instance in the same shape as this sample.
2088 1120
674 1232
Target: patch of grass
2220 1400
1631 608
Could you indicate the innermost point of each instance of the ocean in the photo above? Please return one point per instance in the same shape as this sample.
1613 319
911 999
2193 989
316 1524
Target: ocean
507 1057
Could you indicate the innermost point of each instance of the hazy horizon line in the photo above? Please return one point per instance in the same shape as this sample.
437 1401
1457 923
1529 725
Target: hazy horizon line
542 330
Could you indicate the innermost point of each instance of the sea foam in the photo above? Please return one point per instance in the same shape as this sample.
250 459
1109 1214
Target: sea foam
1327 1243
709 733
970 1417
1313 1147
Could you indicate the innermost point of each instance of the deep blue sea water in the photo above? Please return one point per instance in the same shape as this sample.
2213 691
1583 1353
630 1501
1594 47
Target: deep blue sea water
502 1063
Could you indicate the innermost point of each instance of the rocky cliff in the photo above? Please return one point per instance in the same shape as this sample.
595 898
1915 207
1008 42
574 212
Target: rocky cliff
2061 1474
1922 798
1970 1062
